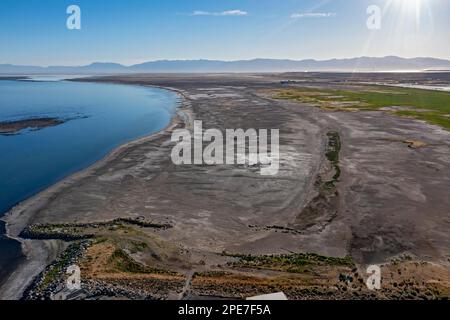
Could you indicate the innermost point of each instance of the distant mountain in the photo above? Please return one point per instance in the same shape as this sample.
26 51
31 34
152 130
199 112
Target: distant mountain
390 63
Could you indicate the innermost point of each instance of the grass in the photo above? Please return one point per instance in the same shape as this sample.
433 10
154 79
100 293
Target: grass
138 246
333 149
121 261
294 263
431 106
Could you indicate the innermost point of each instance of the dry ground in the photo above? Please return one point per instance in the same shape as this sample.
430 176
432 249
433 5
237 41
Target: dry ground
390 199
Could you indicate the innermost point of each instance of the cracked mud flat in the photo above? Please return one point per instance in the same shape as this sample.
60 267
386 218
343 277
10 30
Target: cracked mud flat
391 199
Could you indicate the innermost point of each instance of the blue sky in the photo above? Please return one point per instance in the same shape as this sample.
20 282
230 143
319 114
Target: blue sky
34 32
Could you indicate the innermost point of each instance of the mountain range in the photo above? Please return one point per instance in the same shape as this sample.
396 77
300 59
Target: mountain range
368 64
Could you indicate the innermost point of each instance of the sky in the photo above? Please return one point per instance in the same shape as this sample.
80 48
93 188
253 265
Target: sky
34 32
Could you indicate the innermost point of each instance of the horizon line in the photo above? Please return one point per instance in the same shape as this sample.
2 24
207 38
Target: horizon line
219 60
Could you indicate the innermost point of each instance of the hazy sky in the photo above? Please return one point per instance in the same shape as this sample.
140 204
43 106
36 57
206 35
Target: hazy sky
34 32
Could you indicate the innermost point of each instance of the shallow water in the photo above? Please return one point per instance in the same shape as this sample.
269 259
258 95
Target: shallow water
419 86
46 77
10 254
99 118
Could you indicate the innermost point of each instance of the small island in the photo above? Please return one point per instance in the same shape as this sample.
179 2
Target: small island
14 127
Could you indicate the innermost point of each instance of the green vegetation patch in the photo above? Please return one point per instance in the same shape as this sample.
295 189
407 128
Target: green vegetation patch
74 231
137 246
295 263
428 105
121 261
332 154
60 232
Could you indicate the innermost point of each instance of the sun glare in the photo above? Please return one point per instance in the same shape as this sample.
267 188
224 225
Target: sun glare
409 9
410 5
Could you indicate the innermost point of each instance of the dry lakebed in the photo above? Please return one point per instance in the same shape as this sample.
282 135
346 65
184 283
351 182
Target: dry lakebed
357 186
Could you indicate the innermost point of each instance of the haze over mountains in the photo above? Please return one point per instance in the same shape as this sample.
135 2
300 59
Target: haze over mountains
390 63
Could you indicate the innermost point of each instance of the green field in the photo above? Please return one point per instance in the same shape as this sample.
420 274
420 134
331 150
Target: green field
428 105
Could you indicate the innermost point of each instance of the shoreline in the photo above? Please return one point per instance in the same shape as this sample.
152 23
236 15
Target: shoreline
38 253
233 210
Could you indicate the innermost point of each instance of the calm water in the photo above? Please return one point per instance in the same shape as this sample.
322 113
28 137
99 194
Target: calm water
100 118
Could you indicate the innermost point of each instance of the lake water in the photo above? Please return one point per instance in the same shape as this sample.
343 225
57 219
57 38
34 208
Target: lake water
415 86
99 118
